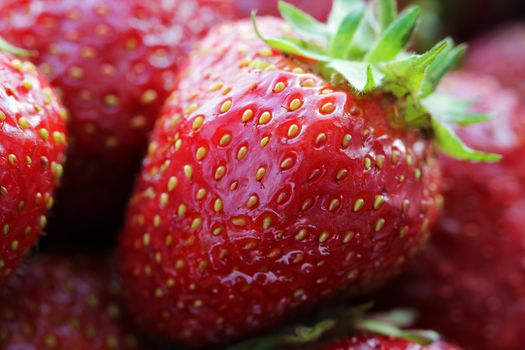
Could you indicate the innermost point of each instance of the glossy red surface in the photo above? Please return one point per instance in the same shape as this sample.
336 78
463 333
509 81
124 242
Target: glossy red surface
469 283
65 303
377 342
265 191
32 143
114 63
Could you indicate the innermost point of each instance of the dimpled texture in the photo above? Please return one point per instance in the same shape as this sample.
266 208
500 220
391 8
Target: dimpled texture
265 191
115 63
469 283
317 8
32 143
501 54
65 303
378 342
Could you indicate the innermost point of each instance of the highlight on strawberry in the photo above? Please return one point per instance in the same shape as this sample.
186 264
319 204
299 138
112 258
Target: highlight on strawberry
289 171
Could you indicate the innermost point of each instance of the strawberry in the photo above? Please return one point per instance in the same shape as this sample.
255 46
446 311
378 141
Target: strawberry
269 188
114 62
317 8
65 303
501 54
32 145
469 283
375 342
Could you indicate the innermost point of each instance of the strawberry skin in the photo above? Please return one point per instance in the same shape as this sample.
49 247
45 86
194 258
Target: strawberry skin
264 191
32 144
469 284
65 303
501 54
378 342
317 8
115 63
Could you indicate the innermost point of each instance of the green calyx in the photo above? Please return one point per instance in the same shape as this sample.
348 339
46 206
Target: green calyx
364 45
341 325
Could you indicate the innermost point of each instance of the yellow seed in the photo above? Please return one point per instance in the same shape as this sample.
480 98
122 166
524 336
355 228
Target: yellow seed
252 201
359 204
226 90
225 139
197 123
300 235
378 201
368 163
260 173
264 141
59 137
380 224
341 174
217 231
201 193
267 222
279 87
410 160
239 221
321 138
226 106
295 104
188 171
3 117
220 172
11 158
308 83
163 200
196 223
417 173
247 115
27 84
266 52
149 96
44 134
146 239
242 152
215 87
334 204
217 205
298 70
265 118
324 236
327 108
346 140
380 161
172 183
287 163
293 130
201 153
181 210
24 123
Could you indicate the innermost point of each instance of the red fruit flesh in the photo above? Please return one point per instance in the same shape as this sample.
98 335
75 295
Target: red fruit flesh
377 342
469 284
264 191
317 8
501 54
32 144
115 63
64 304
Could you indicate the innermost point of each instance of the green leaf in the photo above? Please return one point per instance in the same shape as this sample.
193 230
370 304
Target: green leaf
441 65
398 317
406 76
305 335
378 327
387 13
303 23
342 40
340 9
452 110
449 143
395 37
289 46
7 47
360 75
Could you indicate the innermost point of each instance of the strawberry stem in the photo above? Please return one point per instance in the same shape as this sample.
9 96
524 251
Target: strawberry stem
9 48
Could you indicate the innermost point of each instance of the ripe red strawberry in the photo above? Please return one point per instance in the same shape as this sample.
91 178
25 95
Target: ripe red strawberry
267 189
32 144
378 342
63 304
501 54
317 8
469 283
115 63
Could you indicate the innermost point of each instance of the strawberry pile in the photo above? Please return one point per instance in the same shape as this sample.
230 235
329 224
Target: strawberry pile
216 177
